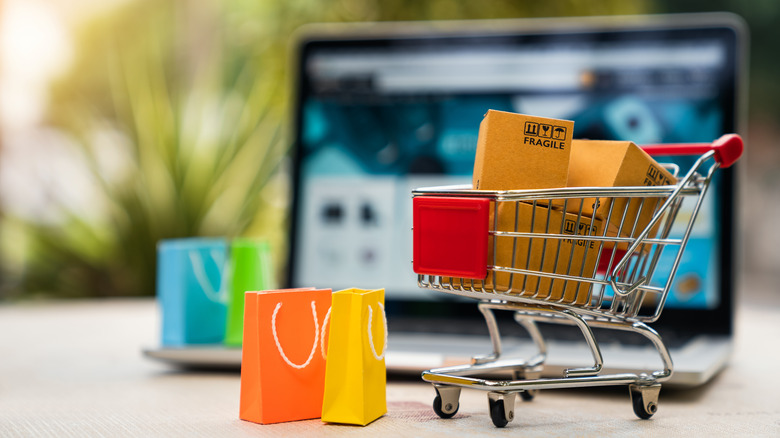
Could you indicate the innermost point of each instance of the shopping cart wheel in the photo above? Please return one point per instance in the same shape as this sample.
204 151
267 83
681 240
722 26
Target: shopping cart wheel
446 403
528 394
502 408
644 398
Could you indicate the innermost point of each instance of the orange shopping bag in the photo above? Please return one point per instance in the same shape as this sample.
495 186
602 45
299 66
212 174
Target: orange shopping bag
283 356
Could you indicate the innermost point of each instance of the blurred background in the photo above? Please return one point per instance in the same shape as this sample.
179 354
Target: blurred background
123 122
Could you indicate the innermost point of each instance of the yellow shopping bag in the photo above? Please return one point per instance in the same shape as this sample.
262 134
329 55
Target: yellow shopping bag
355 375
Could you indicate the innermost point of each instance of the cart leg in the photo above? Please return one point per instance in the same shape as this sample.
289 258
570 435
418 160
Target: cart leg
533 331
502 407
644 399
495 336
594 347
447 402
659 345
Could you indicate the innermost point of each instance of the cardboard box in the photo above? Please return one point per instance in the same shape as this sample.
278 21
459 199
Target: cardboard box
597 163
516 151
561 256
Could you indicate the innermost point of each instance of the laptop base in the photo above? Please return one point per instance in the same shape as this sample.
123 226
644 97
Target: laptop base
695 363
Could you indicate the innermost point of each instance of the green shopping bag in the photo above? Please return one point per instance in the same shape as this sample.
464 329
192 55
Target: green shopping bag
249 269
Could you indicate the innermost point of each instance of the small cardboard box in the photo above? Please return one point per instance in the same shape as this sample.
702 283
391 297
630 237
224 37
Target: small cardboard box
516 151
572 257
598 163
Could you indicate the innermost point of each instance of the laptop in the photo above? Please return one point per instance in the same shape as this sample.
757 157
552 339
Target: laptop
382 109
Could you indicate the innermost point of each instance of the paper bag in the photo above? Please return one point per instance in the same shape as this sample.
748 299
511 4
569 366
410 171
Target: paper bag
249 269
283 355
355 377
191 290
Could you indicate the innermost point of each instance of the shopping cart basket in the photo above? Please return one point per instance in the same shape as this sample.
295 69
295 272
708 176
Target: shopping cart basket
538 254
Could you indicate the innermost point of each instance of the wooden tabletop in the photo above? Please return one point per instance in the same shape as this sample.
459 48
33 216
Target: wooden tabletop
76 369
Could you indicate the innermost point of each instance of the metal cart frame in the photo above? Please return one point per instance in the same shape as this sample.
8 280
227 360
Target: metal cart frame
625 292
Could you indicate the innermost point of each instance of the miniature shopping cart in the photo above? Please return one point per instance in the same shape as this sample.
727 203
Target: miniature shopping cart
539 254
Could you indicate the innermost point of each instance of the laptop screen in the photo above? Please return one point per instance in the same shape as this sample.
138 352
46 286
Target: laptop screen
378 116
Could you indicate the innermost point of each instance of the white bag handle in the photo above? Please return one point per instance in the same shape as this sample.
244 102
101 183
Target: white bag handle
198 268
314 345
370 335
322 337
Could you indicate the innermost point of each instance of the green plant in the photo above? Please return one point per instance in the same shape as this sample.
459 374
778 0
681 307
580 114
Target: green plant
177 112
196 140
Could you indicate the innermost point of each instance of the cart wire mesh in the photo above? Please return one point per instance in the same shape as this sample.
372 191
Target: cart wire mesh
544 248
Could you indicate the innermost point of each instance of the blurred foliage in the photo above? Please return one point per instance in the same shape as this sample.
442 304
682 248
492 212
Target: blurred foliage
194 96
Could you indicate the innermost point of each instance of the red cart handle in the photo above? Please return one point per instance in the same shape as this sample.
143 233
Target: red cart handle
728 149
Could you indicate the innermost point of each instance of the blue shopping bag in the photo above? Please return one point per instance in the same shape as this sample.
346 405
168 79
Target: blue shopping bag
191 290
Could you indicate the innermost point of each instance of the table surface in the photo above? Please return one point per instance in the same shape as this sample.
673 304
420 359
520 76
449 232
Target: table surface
76 369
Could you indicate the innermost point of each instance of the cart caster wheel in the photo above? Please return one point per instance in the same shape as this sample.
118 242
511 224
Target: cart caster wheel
446 403
449 410
531 374
642 409
645 400
501 408
498 413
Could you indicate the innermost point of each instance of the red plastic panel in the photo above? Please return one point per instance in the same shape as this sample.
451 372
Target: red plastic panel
451 236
